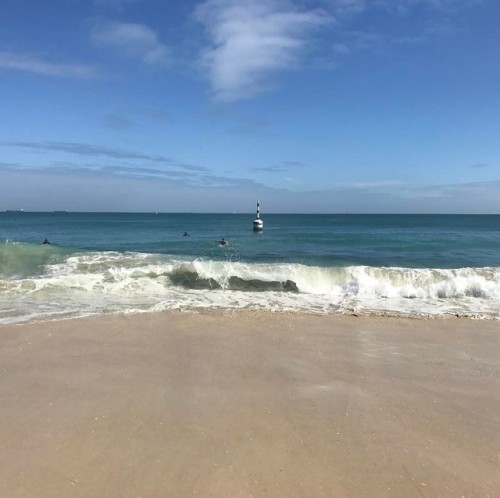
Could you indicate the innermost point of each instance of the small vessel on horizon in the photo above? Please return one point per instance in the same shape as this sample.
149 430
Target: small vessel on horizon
258 224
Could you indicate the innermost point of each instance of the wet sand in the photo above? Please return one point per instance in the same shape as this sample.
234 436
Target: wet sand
250 404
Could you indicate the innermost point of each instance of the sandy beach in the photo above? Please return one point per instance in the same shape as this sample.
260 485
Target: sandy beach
250 404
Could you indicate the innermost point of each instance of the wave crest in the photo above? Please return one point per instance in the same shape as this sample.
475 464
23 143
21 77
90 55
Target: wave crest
83 282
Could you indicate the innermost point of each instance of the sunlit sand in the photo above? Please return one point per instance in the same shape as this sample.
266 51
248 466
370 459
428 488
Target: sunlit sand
250 404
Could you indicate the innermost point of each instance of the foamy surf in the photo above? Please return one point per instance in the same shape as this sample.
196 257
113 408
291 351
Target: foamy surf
54 282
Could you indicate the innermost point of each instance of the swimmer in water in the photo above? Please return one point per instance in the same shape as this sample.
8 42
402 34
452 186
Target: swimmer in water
185 234
45 242
222 242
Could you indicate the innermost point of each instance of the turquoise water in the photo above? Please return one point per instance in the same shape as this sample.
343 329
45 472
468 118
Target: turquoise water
120 262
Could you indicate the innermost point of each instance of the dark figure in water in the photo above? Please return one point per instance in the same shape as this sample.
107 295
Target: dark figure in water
185 234
222 242
46 241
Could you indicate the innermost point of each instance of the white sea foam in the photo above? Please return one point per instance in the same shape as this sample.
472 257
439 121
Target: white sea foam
88 283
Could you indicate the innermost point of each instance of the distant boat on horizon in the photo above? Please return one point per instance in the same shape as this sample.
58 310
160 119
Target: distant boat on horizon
258 224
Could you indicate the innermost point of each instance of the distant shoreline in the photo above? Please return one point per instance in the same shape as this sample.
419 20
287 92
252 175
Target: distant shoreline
244 213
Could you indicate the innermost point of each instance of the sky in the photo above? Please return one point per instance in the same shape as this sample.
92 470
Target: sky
312 106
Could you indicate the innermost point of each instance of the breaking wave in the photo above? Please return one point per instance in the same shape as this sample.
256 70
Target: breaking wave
40 282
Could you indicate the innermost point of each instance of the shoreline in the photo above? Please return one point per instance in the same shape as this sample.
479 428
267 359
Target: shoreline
246 403
228 311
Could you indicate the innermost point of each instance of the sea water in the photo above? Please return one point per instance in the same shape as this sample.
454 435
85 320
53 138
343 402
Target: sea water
120 262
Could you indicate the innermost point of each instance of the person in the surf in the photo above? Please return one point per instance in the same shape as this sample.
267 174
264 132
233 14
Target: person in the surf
185 234
222 242
45 242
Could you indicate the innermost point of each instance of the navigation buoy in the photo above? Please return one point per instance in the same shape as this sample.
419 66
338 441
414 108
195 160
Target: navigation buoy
258 224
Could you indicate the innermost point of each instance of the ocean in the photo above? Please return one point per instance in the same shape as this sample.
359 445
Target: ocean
408 265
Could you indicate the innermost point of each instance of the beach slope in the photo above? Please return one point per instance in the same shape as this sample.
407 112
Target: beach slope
250 404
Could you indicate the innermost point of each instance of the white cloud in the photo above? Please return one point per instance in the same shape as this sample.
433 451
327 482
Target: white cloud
27 63
133 40
250 39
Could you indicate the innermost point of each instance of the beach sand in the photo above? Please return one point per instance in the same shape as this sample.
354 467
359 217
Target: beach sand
250 404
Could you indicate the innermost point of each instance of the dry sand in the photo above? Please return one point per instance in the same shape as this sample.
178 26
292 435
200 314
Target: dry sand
250 404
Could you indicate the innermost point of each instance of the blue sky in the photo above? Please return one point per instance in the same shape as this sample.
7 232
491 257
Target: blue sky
203 106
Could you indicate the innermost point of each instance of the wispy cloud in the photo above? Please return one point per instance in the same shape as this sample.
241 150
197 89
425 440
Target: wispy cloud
351 7
82 149
251 39
191 176
132 117
412 22
145 173
368 186
359 40
455 191
433 29
116 121
132 40
88 150
441 5
342 7
284 167
31 64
